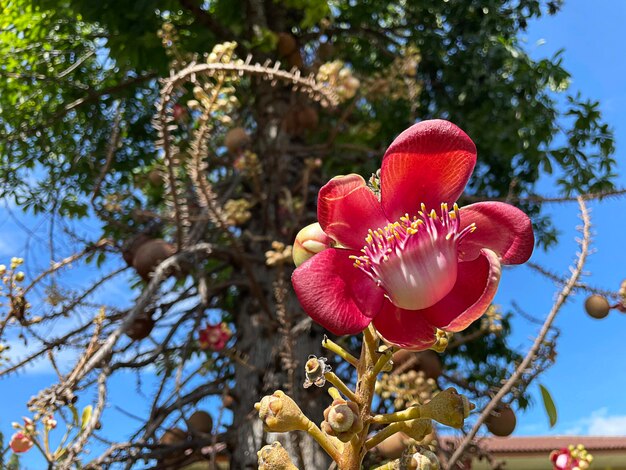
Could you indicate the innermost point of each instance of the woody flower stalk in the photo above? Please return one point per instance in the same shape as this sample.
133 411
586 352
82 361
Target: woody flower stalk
399 261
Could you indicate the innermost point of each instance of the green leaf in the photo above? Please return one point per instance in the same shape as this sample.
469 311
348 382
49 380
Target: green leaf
548 404
86 417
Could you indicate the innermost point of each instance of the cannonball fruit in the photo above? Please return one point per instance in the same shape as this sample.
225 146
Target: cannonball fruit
236 139
130 247
140 328
597 306
155 178
502 421
392 447
308 118
430 363
401 356
286 44
172 437
149 255
200 422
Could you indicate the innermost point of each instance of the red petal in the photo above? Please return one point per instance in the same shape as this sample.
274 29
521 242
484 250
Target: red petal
500 227
428 163
335 294
407 329
475 287
347 209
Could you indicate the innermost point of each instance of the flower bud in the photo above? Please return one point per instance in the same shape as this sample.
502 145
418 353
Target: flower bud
274 457
342 420
20 442
417 428
424 460
448 408
309 241
49 422
280 413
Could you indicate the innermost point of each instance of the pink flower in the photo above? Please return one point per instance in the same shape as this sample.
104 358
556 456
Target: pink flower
49 422
562 460
214 337
403 260
20 442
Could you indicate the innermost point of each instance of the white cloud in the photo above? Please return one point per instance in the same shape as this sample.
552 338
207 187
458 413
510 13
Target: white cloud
603 424
598 423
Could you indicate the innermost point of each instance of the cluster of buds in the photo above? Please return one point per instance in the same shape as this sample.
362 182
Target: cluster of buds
279 254
280 413
214 337
398 80
406 389
212 100
274 457
336 75
237 211
571 458
12 279
248 163
492 320
22 440
223 53
423 459
342 420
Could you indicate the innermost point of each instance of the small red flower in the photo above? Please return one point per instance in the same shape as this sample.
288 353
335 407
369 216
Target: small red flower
214 337
410 260
20 442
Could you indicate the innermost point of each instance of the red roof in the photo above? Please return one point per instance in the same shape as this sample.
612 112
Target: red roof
533 444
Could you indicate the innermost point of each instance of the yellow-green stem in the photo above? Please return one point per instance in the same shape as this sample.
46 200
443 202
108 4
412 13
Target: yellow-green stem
343 388
382 435
342 353
383 360
324 441
410 413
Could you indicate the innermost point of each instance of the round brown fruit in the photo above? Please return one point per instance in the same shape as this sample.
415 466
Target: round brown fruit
402 356
393 446
597 306
130 247
502 421
200 422
236 139
140 328
430 363
155 178
295 60
150 254
286 44
308 118
173 436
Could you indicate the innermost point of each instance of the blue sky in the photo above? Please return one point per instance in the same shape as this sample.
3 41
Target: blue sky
589 376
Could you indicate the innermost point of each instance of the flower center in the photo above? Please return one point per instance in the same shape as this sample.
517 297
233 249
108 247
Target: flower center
415 259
